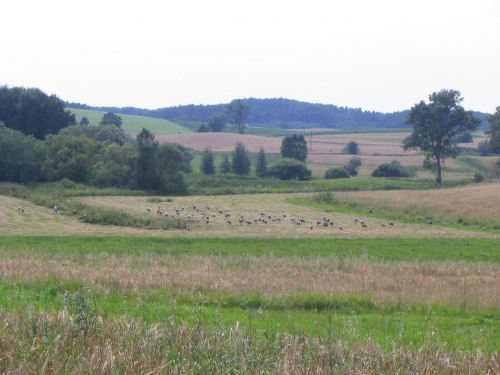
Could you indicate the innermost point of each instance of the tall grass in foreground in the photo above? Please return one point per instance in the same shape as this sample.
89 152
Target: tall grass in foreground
51 343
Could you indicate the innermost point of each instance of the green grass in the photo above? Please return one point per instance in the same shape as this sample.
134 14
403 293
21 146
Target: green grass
134 123
383 249
353 317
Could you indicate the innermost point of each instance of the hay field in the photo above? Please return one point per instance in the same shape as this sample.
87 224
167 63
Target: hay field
255 209
473 201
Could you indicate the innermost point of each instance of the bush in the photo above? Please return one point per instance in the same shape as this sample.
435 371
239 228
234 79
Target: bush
338 172
393 169
288 169
478 177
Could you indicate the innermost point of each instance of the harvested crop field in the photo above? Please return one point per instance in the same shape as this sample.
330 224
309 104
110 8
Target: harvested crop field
263 217
469 201
375 148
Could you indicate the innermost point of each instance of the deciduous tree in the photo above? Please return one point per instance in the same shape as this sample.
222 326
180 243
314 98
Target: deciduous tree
111 118
294 146
436 124
494 131
216 122
238 113
22 157
33 112
352 148
353 166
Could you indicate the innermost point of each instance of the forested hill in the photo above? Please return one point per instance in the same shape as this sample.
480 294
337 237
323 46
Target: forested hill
281 113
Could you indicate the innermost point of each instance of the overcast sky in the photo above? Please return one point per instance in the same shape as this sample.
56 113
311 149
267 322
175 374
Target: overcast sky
383 55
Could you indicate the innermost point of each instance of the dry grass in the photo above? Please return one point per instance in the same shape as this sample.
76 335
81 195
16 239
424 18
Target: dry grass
38 220
50 344
441 283
475 201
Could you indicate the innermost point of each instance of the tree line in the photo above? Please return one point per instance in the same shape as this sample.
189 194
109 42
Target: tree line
277 113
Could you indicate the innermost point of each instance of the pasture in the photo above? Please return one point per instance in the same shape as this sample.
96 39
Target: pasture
281 296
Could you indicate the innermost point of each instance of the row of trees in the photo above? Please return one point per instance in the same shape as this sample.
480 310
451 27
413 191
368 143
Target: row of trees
236 113
292 164
239 163
140 163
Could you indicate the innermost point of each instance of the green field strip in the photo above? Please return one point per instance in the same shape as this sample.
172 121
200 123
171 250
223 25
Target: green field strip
385 249
348 318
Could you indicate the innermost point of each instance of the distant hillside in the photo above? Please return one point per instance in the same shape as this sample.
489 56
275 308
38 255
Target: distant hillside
132 123
279 113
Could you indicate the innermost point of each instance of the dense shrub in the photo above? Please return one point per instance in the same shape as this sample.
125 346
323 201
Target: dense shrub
288 168
478 177
393 169
337 172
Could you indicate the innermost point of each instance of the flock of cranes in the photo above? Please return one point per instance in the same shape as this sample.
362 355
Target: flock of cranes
195 214
198 215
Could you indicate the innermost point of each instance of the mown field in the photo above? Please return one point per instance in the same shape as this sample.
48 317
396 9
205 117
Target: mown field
191 290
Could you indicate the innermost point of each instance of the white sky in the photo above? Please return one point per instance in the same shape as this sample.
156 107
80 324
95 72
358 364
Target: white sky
382 55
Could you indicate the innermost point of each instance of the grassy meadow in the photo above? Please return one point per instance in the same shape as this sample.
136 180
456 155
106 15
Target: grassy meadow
256 276
133 124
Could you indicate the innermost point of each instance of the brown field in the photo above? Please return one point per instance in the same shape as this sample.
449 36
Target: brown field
420 282
469 201
480 201
324 152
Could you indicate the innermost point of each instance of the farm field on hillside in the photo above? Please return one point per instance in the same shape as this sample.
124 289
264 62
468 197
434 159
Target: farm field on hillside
324 152
264 216
133 124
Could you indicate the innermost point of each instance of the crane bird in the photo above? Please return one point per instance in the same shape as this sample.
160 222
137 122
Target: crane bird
382 225
391 223
55 209
338 226
363 225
